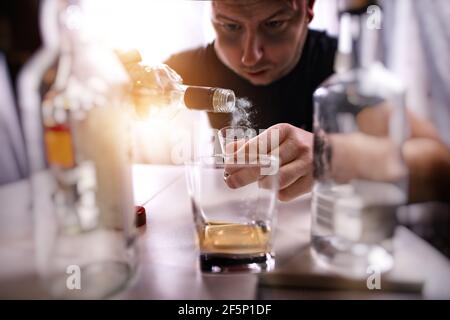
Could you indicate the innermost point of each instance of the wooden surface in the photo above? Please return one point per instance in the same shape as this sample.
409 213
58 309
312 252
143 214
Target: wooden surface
168 252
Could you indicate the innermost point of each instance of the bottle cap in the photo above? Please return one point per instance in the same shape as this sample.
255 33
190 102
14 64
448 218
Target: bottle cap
141 217
210 99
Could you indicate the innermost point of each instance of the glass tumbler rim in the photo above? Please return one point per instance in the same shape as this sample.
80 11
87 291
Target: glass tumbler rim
259 156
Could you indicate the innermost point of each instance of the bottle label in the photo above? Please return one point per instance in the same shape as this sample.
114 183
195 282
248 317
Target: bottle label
59 146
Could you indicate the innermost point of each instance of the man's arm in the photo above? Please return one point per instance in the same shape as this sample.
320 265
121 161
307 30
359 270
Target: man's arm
428 161
363 156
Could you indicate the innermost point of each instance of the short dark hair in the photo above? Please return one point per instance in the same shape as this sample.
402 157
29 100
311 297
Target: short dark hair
292 2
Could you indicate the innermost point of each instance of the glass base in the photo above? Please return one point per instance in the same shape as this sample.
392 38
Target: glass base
350 259
221 263
97 281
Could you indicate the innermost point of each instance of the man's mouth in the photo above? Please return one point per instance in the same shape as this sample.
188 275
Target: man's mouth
256 73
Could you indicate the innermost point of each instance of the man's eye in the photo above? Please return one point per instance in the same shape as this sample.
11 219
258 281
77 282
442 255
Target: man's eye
275 24
231 27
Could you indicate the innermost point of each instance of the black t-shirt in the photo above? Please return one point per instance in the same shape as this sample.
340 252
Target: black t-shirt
287 100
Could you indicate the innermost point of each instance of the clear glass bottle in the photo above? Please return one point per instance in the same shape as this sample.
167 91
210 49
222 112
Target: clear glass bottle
83 202
35 79
160 86
359 128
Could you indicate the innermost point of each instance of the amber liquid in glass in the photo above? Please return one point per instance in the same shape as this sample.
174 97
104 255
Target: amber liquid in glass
228 246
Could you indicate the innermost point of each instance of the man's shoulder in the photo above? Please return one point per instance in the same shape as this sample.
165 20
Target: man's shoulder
322 41
193 53
318 57
190 62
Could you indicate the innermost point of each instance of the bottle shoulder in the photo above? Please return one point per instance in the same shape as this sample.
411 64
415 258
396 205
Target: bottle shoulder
375 80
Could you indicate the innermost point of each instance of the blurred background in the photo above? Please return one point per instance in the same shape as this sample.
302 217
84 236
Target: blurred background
416 47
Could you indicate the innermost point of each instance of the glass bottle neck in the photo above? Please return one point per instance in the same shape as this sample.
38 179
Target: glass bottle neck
82 53
358 43
69 20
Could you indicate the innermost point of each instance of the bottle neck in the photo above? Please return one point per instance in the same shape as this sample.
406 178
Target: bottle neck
69 20
215 100
74 34
358 43
82 53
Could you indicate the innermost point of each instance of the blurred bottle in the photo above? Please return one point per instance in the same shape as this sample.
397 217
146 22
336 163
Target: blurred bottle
160 86
359 127
83 203
35 79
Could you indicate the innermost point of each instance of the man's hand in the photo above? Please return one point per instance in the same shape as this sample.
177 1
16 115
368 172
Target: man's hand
295 150
160 78
152 86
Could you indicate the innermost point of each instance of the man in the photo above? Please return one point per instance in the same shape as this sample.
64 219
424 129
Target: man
265 52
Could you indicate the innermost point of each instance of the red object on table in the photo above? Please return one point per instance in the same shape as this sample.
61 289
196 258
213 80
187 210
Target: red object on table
141 217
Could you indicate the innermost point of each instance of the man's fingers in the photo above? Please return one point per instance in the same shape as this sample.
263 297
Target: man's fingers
301 186
239 176
242 177
286 154
267 141
294 159
288 174
275 141
233 147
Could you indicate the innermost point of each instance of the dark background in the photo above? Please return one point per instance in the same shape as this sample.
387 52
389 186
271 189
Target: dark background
19 32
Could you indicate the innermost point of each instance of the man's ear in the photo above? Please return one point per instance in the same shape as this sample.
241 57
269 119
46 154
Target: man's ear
310 9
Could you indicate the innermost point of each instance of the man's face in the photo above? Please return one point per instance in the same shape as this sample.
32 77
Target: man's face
261 40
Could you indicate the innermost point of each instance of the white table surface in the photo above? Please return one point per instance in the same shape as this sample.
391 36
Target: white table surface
168 253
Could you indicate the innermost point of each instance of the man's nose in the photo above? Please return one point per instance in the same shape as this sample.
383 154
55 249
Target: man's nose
252 51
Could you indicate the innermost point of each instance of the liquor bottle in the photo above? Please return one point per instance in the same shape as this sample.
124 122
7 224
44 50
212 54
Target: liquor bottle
160 86
359 129
84 210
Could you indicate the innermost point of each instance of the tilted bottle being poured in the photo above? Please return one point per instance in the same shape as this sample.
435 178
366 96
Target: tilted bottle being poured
161 86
